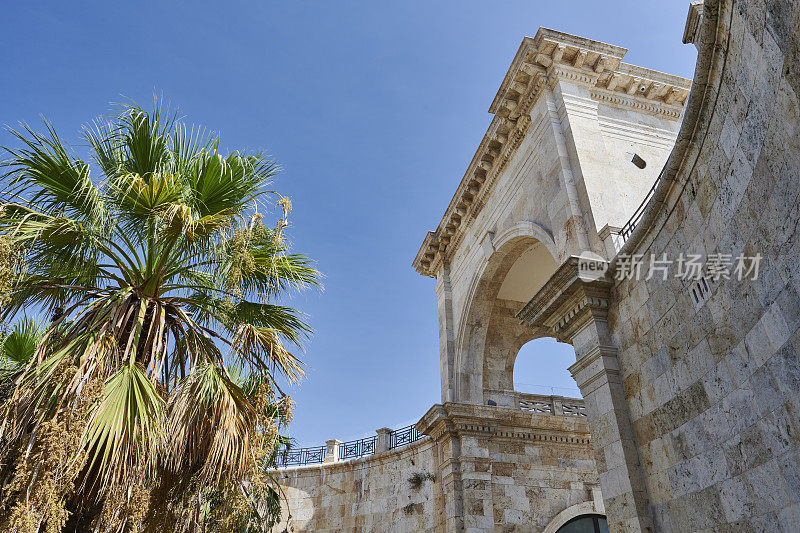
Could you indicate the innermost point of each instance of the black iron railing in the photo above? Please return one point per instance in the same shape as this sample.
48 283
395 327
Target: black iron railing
301 456
629 226
358 448
347 450
403 436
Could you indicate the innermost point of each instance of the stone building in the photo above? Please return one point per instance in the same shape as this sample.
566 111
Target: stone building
691 383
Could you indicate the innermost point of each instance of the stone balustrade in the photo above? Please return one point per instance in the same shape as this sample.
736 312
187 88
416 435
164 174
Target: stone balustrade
549 405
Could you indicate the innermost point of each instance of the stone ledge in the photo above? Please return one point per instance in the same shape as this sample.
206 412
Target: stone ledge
501 423
566 302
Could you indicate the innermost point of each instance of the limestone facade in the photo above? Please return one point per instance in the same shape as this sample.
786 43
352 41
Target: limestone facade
693 403
481 468
554 169
552 177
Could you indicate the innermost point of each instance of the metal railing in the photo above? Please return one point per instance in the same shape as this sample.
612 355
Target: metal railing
301 456
357 448
629 226
403 436
386 440
339 451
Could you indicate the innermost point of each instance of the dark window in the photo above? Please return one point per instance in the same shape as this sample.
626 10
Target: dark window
588 523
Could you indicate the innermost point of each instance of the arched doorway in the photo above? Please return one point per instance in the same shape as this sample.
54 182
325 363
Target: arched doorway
588 523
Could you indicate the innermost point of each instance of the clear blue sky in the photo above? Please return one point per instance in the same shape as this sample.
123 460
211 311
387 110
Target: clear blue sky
373 109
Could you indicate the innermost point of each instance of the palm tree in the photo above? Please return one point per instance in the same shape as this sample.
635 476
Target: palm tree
255 506
158 273
17 345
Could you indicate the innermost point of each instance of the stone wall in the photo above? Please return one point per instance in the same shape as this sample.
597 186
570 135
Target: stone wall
368 494
482 468
505 470
713 388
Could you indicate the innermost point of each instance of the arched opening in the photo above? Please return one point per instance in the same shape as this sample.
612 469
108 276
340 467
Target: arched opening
491 336
541 368
525 272
588 523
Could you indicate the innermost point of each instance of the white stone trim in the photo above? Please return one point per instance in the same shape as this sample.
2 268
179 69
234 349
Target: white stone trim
571 512
526 228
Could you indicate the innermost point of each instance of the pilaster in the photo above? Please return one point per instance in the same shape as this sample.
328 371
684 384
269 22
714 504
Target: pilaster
447 343
440 428
576 311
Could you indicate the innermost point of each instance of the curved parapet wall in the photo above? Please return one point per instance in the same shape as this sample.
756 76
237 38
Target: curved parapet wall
712 377
367 494
479 467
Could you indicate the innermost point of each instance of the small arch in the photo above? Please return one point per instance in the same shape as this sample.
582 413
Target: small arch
570 513
588 523
527 228
531 376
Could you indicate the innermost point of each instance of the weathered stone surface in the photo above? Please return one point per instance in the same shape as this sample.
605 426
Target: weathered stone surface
734 424
715 421
494 469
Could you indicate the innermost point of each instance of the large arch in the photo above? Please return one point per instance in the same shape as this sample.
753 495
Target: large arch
519 261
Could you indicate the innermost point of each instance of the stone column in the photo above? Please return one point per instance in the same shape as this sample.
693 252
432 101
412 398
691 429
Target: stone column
332 450
384 442
576 311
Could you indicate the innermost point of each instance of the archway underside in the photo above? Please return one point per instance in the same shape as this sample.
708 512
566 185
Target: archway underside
493 335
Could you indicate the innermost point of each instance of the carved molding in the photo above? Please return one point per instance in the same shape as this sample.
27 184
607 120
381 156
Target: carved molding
694 21
566 303
458 419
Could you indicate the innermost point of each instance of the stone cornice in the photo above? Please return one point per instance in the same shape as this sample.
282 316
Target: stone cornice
567 302
694 21
501 422
539 64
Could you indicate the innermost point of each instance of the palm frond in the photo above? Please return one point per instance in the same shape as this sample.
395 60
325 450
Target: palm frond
49 176
124 428
207 427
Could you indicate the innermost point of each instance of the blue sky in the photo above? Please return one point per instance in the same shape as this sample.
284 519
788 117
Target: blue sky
373 109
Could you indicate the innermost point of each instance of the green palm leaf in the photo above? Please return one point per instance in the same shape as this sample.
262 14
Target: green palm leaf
158 272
